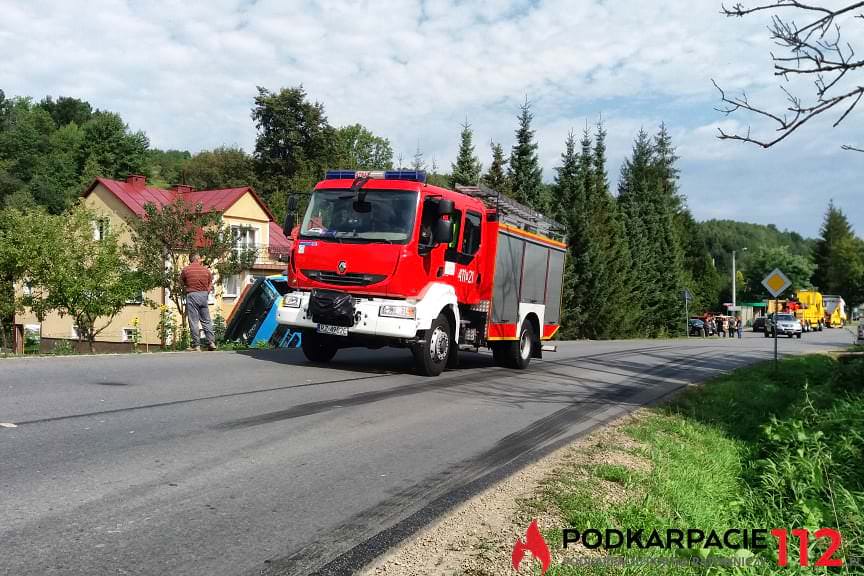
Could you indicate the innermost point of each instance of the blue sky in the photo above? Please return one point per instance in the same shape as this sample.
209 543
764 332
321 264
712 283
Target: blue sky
412 70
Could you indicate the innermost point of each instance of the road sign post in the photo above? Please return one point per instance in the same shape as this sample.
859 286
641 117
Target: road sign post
687 298
776 283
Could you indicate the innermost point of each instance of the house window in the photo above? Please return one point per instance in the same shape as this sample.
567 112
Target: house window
74 333
231 286
136 300
244 237
128 334
100 228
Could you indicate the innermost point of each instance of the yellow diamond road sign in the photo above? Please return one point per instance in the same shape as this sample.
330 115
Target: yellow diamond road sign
776 282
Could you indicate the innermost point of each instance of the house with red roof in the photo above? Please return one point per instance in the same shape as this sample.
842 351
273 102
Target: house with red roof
121 201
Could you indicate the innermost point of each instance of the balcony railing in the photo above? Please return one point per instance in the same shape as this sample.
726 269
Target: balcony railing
263 253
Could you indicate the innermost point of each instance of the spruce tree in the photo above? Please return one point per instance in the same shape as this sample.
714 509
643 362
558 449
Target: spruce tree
526 175
836 255
568 192
496 177
467 168
418 163
613 312
638 218
669 256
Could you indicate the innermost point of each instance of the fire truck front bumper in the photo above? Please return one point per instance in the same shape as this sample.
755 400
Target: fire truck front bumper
372 316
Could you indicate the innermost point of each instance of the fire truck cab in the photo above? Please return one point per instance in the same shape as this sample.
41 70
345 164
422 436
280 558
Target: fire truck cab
383 259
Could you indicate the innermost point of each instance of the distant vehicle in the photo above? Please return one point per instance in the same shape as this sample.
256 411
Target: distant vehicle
809 309
835 311
759 324
696 327
786 325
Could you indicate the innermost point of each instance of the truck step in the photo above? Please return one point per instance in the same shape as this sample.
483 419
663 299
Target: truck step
549 348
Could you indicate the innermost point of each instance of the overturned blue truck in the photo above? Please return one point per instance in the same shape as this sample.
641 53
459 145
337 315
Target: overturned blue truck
253 320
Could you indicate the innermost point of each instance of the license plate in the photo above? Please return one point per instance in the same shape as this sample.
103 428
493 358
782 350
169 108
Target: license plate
332 330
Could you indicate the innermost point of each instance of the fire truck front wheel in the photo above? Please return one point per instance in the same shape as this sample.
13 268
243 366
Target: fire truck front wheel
432 354
318 348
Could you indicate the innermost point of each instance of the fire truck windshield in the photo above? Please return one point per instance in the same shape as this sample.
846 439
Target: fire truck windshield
385 216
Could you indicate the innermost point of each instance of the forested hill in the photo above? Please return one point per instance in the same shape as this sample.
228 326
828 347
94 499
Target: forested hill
724 236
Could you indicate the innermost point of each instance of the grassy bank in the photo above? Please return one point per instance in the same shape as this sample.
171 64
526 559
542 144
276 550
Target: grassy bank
753 449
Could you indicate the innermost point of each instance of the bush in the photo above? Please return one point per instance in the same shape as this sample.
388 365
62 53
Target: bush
63 348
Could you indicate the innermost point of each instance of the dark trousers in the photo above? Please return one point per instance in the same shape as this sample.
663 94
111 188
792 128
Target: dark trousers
197 310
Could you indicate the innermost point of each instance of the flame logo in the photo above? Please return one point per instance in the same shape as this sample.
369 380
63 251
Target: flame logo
535 544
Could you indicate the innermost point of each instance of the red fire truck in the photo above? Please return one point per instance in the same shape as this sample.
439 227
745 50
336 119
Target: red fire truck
385 259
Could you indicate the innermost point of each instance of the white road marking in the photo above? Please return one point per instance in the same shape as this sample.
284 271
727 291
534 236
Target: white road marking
8 425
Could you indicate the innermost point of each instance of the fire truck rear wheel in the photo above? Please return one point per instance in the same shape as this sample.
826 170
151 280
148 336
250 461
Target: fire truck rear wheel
515 353
432 354
318 348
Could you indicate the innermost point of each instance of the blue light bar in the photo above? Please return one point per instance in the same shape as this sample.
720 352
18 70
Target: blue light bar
340 175
413 175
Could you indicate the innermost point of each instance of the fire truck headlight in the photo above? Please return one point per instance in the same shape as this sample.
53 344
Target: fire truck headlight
292 301
390 311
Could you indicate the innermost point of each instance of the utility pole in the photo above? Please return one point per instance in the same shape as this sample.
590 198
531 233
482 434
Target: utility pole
734 288
734 274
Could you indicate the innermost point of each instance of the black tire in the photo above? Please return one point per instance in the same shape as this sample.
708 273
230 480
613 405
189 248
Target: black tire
432 355
499 353
519 351
318 348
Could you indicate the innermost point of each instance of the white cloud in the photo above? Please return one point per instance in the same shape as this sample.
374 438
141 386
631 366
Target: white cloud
412 70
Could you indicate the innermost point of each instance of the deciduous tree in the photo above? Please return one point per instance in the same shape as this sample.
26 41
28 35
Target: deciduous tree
87 278
164 237
222 167
812 47
798 269
359 149
294 145
25 240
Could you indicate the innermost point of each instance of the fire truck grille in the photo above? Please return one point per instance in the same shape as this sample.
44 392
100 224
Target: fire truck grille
347 279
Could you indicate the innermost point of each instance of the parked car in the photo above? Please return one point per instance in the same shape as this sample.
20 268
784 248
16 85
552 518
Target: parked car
786 325
697 327
759 324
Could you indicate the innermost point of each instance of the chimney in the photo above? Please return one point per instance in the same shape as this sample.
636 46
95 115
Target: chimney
137 180
183 188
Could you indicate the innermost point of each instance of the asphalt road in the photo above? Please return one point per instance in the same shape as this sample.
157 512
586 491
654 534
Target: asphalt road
258 463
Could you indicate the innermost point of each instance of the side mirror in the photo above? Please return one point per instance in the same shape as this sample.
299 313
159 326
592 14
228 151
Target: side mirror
290 211
445 207
443 232
288 225
292 203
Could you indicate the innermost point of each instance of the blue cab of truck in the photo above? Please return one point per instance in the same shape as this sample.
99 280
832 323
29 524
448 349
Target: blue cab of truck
253 320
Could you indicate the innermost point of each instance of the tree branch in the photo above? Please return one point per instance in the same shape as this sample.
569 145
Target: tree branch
812 50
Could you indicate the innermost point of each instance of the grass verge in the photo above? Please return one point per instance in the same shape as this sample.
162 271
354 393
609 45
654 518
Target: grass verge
752 449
